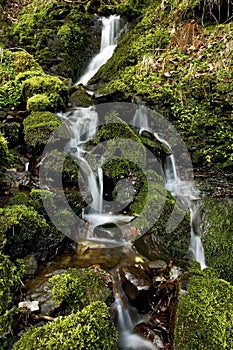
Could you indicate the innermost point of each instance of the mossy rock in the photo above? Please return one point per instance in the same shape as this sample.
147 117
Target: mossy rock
23 61
74 289
86 329
58 164
62 36
169 237
52 87
38 127
218 235
21 223
5 158
204 319
81 98
10 292
40 102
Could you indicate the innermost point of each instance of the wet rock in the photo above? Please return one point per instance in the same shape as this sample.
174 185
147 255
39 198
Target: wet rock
40 289
135 281
30 264
30 305
157 266
81 98
96 253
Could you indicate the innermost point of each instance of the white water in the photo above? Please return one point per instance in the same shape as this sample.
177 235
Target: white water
183 191
110 31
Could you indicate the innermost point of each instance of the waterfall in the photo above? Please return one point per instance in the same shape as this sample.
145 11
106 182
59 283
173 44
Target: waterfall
82 125
183 191
140 119
196 247
109 35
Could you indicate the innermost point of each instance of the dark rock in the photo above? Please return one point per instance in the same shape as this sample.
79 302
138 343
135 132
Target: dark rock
135 282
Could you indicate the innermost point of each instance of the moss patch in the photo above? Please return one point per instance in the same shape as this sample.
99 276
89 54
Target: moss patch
205 314
218 235
38 127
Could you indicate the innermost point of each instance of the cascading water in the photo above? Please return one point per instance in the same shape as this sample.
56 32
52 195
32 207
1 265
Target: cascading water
126 318
183 191
82 125
109 36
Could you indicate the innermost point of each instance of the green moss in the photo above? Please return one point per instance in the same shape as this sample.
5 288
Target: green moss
57 33
81 98
39 102
205 314
53 87
10 95
23 61
10 292
35 200
21 223
218 235
27 74
38 127
169 236
5 158
77 288
86 329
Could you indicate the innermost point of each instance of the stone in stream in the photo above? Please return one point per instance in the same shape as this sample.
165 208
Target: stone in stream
135 282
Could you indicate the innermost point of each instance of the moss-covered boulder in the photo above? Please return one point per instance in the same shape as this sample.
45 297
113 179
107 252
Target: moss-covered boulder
40 102
13 64
86 329
61 34
54 89
38 127
205 314
21 226
218 235
21 78
81 98
10 292
74 289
